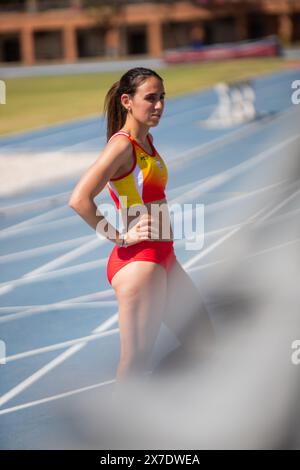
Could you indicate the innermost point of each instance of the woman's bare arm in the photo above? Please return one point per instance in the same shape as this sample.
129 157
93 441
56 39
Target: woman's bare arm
115 154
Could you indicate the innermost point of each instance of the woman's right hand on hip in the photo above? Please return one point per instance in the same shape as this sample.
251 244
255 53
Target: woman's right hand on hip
145 229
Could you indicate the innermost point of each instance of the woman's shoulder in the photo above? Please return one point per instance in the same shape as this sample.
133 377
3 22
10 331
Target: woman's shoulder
119 142
117 151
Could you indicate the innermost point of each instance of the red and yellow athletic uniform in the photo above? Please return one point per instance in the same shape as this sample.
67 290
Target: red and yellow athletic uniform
146 180
144 183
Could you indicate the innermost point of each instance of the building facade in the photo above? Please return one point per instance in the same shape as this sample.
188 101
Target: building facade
38 31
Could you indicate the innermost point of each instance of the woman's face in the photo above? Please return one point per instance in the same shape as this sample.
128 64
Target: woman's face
147 104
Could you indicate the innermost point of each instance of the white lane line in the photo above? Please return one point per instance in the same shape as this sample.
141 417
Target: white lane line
194 259
42 308
45 216
220 205
46 268
228 228
282 186
45 249
215 144
59 307
279 206
252 219
197 189
213 206
66 257
273 248
98 295
184 187
45 227
200 150
208 250
55 397
273 220
236 170
206 266
77 302
53 274
55 347
280 217
54 363
40 203
252 255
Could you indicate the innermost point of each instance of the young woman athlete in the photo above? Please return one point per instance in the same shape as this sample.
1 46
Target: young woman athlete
150 284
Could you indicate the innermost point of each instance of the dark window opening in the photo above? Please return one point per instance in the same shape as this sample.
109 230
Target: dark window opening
48 45
90 42
137 42
10 48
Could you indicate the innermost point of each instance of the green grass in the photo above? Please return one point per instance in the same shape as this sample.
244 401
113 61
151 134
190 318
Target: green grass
35 102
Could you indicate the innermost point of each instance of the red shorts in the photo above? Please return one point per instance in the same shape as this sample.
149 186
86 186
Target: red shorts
160 252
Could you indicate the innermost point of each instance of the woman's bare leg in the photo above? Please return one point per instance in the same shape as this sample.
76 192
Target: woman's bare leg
141 288
187 316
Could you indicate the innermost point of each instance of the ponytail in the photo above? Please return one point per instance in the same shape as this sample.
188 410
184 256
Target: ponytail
116 113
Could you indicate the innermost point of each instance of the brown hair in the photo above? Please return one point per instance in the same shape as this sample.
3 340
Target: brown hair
128 83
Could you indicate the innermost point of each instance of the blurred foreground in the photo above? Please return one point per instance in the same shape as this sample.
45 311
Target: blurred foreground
244 392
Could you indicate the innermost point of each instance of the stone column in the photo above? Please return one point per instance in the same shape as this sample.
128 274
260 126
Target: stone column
31 6
154 39
285 28
76 4
70 46
27 46
197 34
112 40
242 27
